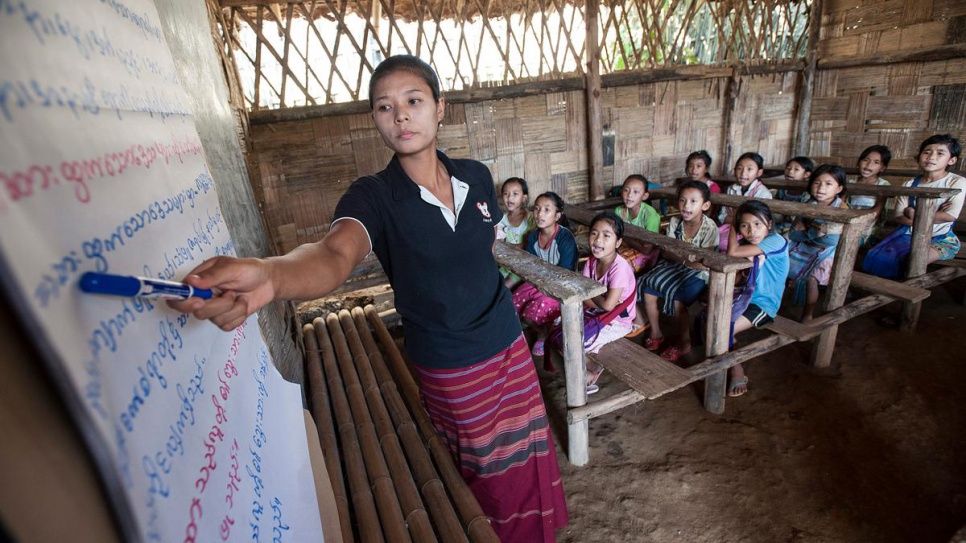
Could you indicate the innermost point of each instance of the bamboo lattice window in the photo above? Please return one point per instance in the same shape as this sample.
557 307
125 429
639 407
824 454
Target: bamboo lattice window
292 53
647 34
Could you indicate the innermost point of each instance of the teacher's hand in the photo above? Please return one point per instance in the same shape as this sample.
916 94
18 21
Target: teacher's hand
242 286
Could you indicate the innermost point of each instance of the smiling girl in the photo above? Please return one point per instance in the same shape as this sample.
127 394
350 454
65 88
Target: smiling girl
811 250
616 306
552 242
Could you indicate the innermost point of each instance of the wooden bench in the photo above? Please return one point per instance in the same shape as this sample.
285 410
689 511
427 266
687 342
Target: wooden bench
927 202
570 289
400 482
648 374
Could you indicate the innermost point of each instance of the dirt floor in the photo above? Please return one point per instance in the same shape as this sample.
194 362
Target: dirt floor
869 450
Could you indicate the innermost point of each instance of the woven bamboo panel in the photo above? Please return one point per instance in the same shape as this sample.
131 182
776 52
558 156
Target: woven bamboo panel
897 111
869 28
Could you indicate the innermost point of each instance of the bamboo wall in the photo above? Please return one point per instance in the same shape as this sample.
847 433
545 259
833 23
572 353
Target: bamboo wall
889 71
895 104
305 166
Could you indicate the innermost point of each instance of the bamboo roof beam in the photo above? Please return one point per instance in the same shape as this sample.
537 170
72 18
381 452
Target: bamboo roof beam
594 109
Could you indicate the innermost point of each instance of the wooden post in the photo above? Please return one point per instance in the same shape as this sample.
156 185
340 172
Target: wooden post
575 368
595 123
731 102
838 286
808 79
918 254
717 335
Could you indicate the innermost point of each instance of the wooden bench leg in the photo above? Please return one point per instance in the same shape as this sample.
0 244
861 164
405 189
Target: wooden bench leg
575 368
823 347
918 255
838 286
718 335
715 389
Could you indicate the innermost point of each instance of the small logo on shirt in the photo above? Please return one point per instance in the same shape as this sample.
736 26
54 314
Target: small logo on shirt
485 210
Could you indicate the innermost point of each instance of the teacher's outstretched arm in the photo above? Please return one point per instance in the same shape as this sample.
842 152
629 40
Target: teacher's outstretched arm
245 285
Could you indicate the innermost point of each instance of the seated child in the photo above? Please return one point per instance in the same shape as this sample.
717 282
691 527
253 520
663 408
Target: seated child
680 283
696 167
634 210
748 171
812 242
872 163
890 257
637 212
797 169
552 241
758 302
517 221
610 316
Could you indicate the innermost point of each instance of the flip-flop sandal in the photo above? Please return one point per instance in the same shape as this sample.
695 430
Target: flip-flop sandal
592 389
743 382
673 353
652 344
637 331
594 375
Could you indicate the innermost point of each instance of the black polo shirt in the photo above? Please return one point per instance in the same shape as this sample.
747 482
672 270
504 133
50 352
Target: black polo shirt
455 308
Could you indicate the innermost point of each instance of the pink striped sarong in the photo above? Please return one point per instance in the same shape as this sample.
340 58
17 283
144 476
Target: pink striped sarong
492 416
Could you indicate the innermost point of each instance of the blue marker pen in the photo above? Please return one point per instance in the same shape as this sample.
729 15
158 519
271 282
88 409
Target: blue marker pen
142 287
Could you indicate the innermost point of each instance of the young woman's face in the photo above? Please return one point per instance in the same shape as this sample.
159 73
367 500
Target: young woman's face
513 197
825 188
746 171
795 172
405 112
871 166
545 213
696 169
633 192
753 228
692 204
603 240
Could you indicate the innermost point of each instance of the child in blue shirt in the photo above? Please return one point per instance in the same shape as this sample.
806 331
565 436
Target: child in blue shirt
766 280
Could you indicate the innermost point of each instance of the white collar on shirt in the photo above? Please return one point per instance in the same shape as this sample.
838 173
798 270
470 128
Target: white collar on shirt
460 190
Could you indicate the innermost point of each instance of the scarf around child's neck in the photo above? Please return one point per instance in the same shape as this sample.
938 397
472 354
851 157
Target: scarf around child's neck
751 188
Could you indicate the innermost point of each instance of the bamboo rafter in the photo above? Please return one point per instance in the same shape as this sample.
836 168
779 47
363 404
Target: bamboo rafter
297 53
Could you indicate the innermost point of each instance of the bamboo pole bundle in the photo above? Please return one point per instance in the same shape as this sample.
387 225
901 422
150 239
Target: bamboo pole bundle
477 526
383 489
433 489
322 412
366 516
417 519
